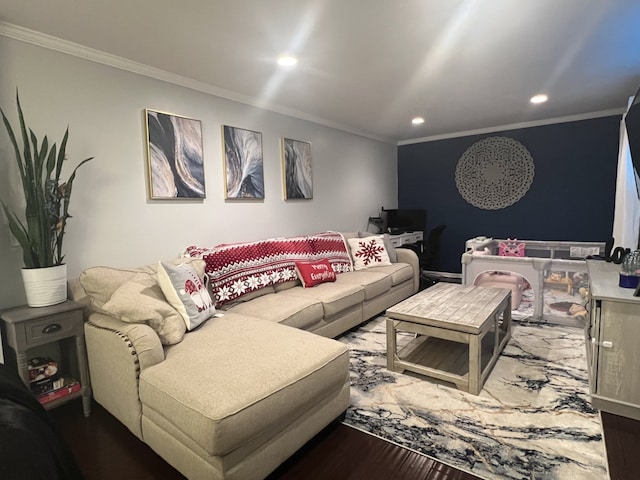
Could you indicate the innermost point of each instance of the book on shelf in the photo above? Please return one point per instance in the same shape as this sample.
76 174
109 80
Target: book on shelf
46 384
68 387
41 368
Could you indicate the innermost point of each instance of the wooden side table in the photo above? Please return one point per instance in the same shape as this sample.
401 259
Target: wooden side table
28 327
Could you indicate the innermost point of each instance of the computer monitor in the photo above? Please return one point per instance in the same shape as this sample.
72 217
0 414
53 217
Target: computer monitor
404 220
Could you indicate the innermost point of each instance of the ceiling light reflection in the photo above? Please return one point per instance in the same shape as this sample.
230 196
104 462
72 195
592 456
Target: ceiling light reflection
540 98
287 60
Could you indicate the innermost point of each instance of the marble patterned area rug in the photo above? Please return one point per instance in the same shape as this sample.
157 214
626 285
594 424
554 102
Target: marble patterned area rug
532 420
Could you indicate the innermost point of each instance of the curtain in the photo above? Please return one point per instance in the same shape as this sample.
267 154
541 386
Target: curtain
626 220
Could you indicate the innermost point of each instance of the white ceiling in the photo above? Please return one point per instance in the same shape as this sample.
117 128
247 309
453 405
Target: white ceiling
369 66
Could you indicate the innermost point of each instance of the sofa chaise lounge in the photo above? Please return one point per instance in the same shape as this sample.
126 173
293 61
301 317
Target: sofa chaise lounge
239 394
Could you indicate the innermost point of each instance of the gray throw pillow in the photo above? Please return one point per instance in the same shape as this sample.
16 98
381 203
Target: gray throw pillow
186 292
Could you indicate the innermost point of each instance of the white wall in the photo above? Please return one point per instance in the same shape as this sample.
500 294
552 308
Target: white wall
113 221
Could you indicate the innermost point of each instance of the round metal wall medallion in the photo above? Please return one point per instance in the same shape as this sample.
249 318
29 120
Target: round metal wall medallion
494 173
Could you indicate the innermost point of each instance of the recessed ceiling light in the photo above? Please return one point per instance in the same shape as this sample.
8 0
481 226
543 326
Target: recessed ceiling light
541 98
287 60
417 121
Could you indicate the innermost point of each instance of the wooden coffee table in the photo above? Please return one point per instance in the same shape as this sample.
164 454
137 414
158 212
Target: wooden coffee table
460 333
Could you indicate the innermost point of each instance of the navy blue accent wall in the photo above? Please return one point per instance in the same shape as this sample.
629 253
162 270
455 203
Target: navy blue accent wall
571 198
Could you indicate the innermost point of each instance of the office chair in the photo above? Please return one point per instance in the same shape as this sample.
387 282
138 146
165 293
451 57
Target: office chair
431 248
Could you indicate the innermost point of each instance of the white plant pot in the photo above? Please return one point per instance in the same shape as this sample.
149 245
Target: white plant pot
45 286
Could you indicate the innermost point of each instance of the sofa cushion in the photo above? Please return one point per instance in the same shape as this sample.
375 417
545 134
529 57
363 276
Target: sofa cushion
299 312
224 386
99 283
186 292
250 296
287 285
368 252
335 297
374 283
140 300
400 272
134 295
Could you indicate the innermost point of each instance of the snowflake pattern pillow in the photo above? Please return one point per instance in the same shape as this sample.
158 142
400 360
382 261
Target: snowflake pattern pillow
368 252
186 292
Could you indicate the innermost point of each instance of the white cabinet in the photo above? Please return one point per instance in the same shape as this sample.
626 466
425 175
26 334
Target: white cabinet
613 335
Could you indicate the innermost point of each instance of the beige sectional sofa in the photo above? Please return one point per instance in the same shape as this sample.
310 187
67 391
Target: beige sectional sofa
241 393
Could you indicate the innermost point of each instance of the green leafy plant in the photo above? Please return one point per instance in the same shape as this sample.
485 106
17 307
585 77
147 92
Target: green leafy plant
46 197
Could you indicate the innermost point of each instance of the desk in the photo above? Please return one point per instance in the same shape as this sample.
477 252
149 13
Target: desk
408 238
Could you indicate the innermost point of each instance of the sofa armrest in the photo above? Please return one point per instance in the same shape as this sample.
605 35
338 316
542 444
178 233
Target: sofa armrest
117 352
406 255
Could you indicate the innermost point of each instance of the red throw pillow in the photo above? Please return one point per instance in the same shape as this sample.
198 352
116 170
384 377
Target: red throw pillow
313 273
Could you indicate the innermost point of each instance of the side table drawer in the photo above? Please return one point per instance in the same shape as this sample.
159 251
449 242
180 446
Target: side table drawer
396 242
52 328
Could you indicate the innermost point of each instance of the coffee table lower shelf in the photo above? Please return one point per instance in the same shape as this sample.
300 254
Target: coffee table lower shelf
443 360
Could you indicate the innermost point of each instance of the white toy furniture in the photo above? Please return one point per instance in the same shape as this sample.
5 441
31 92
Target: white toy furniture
550 264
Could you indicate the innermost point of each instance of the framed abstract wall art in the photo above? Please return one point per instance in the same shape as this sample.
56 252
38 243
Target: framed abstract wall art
243 163
296 169
175 156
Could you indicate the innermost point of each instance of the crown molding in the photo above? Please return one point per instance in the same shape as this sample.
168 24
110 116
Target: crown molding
515 126
50 42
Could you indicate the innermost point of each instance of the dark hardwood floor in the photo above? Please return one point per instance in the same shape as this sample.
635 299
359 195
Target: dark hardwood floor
105 449
342 452
622 436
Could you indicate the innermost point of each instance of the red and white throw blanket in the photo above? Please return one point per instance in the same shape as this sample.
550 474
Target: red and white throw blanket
239 268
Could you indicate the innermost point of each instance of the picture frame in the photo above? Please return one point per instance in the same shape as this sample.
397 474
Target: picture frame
297 171
175 157
243 163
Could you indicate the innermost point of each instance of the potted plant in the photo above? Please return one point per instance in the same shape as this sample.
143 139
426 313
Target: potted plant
46 213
